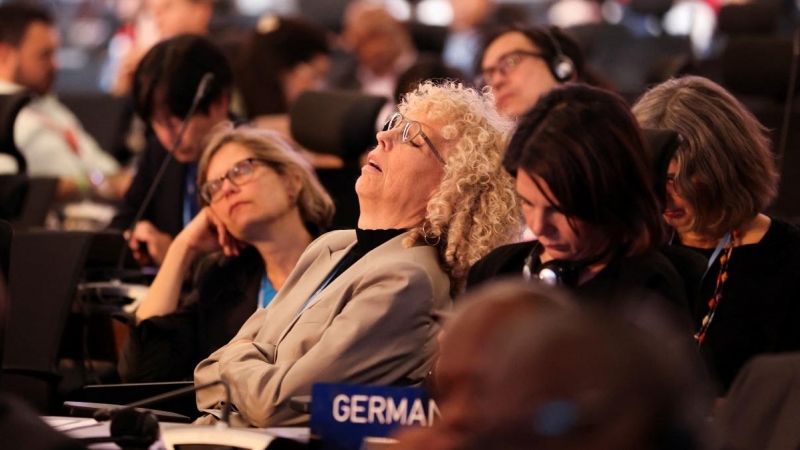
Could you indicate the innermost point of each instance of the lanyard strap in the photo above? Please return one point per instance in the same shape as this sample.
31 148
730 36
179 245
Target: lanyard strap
266 293
722 243
190 206
325 283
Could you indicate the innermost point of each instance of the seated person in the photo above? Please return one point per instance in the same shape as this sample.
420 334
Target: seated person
591 380
260 197
722 178
585 185
357 308
164 87
49 136
521 64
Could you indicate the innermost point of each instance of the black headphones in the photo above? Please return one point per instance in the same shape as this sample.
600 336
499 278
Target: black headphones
559 272
561 66
130 429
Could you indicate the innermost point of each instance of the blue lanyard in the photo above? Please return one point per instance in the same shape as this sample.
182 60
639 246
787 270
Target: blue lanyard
266 293
190 206
324 283
722 243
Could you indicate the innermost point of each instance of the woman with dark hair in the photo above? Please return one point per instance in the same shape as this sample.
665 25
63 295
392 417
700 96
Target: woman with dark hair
583 180
521 64
282 58
720 180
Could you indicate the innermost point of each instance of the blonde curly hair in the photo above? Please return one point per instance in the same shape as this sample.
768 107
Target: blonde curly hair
475 208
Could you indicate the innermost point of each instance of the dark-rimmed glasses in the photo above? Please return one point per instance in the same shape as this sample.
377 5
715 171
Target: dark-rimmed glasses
411 129
239 174
505 64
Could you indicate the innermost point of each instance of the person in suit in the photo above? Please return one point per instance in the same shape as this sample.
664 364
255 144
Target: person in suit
258 193
164 88
357 307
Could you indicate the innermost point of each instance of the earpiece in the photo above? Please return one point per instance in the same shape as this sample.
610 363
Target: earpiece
561 66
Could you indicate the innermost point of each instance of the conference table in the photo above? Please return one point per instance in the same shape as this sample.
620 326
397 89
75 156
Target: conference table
84 428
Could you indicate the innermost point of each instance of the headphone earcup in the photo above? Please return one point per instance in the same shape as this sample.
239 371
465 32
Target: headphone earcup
558 272
134 429
563 68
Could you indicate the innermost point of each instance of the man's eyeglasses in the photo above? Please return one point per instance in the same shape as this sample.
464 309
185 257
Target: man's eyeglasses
411 129
239 174
505 64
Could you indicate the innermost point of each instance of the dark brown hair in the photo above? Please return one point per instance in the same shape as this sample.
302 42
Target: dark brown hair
585 144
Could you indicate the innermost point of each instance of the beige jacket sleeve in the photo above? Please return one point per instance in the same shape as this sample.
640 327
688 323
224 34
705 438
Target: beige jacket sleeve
371 325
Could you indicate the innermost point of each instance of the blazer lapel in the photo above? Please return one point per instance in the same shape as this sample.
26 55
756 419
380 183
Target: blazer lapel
316 274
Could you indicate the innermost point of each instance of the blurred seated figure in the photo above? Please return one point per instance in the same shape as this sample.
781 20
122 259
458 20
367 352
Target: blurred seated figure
161 20
357 308
281 59
719 183
590 378
262 206
522 64
584 180
165 86
426 68
48 135
382 48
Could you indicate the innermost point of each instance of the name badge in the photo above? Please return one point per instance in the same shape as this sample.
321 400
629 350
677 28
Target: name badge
342 415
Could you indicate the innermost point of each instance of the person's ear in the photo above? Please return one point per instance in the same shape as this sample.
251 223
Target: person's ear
293 180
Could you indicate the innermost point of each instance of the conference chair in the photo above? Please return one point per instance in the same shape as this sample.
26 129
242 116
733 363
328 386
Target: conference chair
10 106
341 123
756 69
762 407
45 269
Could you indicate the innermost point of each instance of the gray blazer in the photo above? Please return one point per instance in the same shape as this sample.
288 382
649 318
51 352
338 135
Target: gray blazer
371 325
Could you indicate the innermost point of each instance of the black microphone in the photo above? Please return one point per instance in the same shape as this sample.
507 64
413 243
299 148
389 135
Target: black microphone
132 427
202 89
111 413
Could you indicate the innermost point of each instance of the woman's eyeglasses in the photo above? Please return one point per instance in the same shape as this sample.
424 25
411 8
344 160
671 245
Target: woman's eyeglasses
411 129
239 174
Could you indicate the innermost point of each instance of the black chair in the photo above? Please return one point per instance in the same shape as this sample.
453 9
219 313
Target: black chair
10 106
25 201
341 123
105 117
45 269
756 69
762 408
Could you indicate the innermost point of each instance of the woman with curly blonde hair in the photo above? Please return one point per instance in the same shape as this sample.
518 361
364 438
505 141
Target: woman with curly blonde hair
586 192
357 308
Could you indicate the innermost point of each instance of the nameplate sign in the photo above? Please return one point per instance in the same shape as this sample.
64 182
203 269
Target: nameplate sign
342 415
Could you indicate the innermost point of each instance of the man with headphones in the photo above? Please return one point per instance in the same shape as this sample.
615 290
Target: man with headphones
521 64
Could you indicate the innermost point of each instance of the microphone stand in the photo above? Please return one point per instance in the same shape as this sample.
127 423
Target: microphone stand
115 288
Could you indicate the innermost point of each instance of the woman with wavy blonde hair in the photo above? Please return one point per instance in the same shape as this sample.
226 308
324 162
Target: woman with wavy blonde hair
358 306
261 207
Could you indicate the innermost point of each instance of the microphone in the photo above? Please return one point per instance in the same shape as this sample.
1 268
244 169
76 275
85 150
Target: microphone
201 92
132 427
104 414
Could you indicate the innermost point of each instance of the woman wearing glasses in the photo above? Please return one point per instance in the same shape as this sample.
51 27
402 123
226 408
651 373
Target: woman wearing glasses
521 64
357 308
262 206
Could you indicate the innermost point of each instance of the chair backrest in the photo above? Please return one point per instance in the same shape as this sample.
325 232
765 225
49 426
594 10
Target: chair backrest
103 116
45 270
10 106
340 123
25 201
